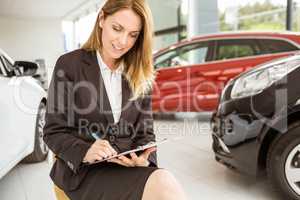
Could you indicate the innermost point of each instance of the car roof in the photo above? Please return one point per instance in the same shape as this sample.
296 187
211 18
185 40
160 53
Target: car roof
245 34
233 34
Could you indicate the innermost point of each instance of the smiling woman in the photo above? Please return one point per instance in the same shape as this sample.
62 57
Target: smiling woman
126 33
99 105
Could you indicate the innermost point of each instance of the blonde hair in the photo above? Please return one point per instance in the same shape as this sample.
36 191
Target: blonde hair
138 66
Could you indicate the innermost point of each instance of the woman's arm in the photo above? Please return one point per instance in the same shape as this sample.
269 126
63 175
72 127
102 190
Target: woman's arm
144 127
59 130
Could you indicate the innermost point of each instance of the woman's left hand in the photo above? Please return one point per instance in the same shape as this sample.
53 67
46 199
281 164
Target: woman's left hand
135 161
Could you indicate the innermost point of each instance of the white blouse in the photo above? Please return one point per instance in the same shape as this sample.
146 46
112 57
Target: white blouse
113 85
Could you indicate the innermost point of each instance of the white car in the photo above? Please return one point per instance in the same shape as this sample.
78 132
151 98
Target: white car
22 105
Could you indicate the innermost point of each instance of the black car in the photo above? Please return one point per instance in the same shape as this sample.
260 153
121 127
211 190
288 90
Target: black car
256 127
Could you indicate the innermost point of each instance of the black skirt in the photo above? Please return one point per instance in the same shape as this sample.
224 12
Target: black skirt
111 181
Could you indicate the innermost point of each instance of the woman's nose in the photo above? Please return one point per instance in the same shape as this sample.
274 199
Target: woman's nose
123 40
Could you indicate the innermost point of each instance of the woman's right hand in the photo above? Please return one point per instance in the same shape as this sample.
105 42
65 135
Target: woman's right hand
99 150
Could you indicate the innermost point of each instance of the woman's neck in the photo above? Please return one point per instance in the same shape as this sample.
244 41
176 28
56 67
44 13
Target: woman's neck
110 62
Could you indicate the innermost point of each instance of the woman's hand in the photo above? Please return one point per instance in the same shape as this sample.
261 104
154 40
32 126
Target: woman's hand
99 150
135 161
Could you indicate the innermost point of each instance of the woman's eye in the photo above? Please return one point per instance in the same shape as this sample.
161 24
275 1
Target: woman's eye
117 29
134 36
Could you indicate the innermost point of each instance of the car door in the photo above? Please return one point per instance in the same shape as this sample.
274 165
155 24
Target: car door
24 103
10 146
172 90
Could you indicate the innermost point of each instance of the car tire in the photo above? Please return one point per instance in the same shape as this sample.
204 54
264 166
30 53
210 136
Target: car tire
40 148
283 157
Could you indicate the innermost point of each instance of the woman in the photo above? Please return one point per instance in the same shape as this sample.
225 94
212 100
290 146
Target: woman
102 91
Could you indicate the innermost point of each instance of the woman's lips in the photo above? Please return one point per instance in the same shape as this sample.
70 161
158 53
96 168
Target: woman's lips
117 48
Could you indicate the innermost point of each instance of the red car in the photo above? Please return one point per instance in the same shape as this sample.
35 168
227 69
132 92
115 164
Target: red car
191 74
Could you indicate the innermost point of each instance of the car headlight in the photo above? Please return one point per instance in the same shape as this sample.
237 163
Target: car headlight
256 81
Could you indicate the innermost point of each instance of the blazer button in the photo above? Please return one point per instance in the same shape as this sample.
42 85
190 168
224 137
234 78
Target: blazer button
112 138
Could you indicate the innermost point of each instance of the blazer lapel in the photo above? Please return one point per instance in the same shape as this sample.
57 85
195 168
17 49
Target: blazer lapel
94 75
125 98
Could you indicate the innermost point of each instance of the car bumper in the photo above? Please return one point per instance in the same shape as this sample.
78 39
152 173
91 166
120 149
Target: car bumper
235 142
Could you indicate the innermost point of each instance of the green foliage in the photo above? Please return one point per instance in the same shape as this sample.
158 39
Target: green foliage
223 25
260 16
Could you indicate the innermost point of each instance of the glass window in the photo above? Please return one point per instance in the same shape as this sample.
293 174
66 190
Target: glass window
164 60
276 46
185 55
236 48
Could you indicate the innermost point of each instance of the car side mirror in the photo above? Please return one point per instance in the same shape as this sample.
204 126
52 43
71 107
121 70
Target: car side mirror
25 68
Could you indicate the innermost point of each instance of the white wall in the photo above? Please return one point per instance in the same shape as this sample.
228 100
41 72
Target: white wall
203 17
164 13
164 16
30 39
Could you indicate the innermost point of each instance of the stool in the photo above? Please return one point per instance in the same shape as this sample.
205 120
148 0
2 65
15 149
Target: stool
60 194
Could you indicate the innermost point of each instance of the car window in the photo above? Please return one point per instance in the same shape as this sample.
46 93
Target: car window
185 55
164 59
276 46
236 48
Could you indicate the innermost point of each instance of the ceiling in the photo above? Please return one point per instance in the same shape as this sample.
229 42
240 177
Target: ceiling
46 9
74 9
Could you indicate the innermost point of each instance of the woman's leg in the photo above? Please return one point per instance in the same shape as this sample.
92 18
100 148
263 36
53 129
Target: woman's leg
162 185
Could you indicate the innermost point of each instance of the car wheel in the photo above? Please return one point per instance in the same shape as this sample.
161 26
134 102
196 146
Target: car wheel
40 148
283 163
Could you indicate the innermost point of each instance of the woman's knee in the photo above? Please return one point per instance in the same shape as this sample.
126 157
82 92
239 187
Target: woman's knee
163 178
162 184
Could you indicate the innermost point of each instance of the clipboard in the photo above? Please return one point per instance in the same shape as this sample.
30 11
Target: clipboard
139 148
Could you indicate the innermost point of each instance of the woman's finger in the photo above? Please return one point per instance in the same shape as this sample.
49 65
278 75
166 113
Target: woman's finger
114 152
100 152
109 147
127 161
115 160
107 151
105 144
94 157
98 157
147 152
134 157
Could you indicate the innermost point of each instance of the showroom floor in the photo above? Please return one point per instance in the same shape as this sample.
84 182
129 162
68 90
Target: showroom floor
189 158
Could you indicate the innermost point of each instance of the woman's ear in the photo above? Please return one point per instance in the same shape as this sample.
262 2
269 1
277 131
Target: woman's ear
101 19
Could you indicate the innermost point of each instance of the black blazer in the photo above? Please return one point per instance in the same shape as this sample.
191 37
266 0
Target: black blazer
77 106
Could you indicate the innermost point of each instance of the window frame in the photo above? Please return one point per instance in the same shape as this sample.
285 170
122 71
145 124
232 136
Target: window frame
208 57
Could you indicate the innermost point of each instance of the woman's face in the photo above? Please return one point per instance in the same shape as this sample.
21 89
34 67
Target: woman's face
119 33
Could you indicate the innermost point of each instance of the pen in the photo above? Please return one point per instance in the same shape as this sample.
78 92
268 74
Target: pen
95 136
